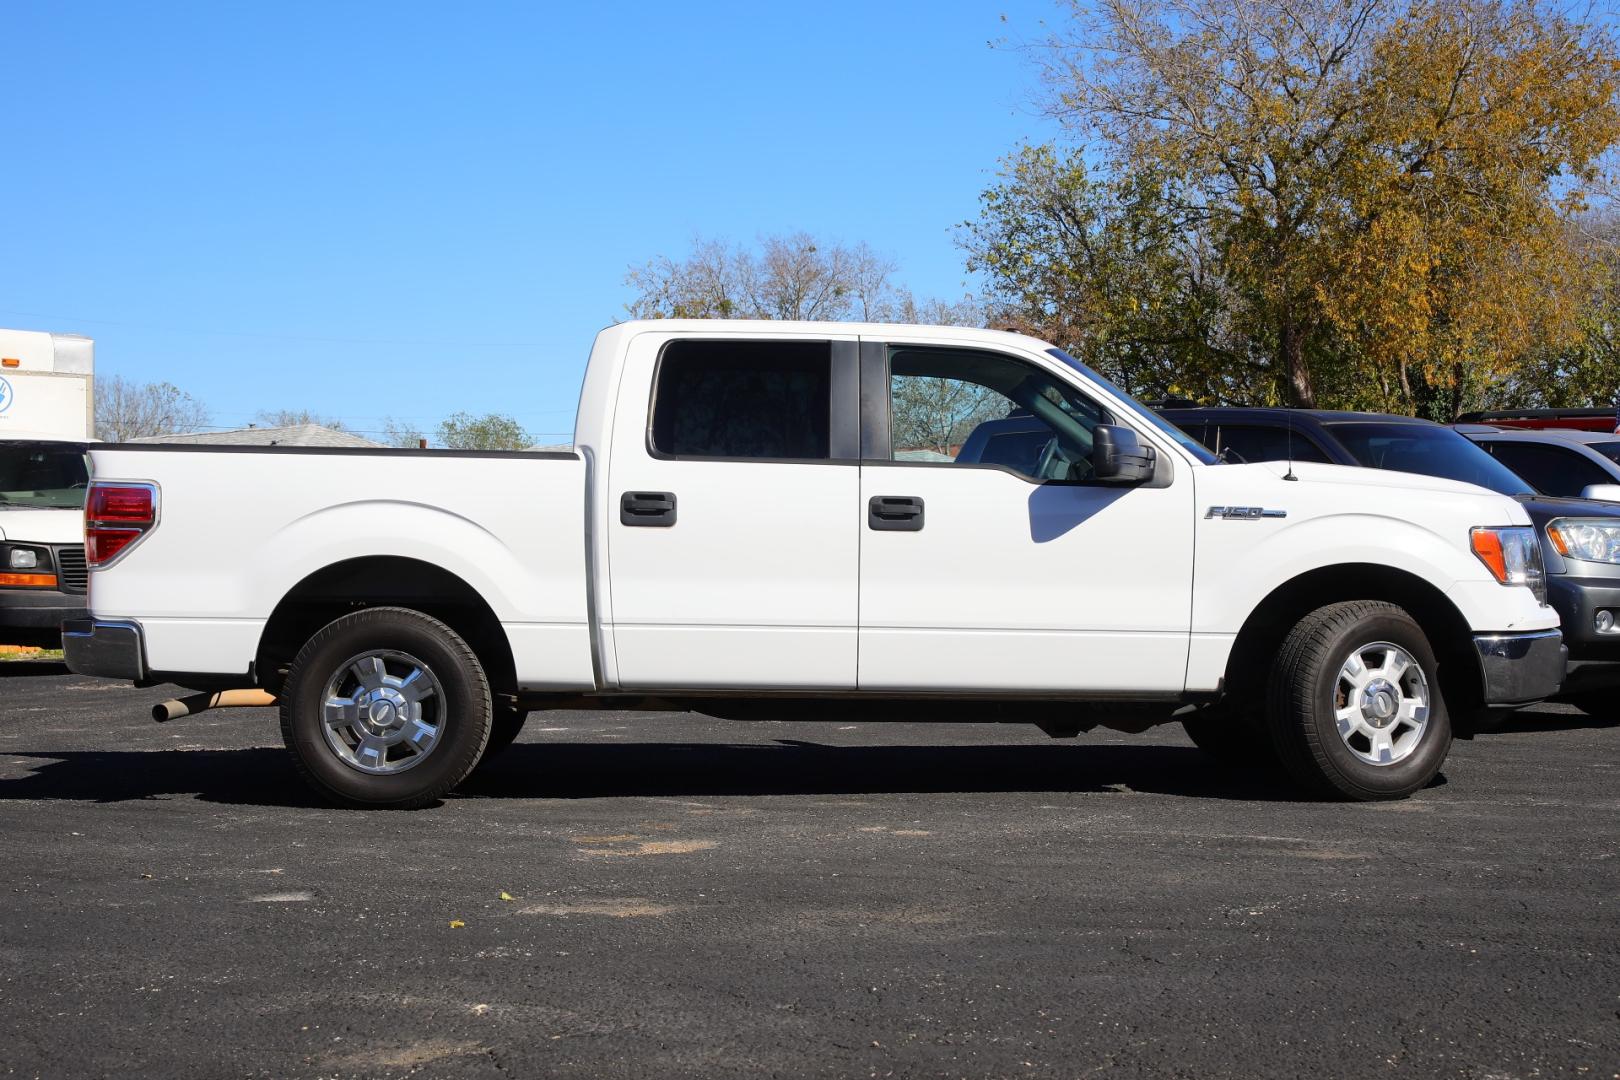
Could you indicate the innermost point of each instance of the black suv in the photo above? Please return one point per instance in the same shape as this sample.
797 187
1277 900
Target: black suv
1585 591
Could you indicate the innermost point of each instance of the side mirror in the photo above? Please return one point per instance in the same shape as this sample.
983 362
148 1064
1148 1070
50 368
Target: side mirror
1601 492
1118 457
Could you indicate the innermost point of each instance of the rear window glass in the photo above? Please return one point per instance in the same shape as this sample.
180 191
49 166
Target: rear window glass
743 399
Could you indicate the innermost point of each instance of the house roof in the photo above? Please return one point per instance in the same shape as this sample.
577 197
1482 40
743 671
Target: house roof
297 435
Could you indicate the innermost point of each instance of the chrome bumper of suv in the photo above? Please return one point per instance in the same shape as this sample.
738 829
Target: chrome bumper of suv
110 648
1521 668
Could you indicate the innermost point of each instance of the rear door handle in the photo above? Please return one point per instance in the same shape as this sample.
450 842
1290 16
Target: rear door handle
895 513
651 508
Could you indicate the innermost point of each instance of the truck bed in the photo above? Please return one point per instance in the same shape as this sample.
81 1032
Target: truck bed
511 525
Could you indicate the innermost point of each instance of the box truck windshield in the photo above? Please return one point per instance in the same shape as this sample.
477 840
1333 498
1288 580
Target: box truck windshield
42 476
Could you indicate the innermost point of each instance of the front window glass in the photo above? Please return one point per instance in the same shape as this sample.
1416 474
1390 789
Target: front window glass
1429 450
972 407
1141 412
40 476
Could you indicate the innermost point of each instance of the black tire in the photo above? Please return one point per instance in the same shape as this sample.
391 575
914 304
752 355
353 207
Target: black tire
1237 739
505 727
1301 703
461 708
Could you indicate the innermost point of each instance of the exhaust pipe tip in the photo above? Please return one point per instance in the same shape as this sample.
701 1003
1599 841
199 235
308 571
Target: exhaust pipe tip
173 709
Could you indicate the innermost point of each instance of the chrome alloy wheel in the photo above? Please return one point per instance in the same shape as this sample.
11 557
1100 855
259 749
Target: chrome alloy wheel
1381 703
382 712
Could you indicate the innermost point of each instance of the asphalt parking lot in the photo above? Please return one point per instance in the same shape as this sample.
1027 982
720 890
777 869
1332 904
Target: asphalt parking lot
692 897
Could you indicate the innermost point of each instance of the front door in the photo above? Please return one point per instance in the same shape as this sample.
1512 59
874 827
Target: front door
991 558
733 538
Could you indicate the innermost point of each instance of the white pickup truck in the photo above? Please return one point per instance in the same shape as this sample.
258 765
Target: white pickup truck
768 519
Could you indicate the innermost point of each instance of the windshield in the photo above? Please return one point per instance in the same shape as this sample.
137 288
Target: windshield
1141 412
1430 450
35 476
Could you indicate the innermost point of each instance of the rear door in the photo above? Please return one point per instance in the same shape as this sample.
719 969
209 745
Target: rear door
1029 577
733 539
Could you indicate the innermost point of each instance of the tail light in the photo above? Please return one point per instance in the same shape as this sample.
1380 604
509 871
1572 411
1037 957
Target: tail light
116 515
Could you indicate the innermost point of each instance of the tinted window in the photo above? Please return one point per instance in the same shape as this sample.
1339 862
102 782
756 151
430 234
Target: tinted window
972 406
743 399
1551 470
1610 450
1428 449
1251 443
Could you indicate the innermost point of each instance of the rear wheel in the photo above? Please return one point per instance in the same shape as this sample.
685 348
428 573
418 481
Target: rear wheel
1354 703
385 708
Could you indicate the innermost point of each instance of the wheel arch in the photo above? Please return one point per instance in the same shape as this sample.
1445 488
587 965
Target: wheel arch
1442 623
370 581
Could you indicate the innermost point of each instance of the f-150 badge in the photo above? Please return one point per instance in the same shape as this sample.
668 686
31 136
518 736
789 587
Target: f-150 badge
1243 513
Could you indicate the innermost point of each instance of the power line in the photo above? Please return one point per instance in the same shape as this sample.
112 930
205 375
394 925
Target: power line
195 331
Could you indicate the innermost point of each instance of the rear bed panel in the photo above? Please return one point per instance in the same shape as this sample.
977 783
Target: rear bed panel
238 529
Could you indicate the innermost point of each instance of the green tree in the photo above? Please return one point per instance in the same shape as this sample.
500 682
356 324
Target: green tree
1583 373
492 431
1109 270
1381 191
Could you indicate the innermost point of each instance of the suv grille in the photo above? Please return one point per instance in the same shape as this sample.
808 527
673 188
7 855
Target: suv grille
70 568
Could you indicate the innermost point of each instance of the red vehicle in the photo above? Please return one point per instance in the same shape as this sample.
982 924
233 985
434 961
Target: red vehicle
1604 420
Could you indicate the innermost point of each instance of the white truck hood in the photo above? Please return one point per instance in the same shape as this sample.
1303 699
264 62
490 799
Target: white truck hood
42 526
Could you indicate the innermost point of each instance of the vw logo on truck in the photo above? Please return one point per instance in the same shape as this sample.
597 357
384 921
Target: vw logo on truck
6 394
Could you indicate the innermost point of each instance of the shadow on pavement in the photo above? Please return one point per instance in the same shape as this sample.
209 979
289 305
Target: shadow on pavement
1522 722
10 669
265 777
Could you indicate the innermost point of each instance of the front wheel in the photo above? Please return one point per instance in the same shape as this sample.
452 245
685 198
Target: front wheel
1354 703
385 708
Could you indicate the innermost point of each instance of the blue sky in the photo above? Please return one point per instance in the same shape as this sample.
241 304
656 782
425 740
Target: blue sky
408 210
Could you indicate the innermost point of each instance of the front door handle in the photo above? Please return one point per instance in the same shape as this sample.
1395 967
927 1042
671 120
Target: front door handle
651 508
895 513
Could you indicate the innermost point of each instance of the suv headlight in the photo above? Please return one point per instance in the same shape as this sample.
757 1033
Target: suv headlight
1591 539
23 559
1513 556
